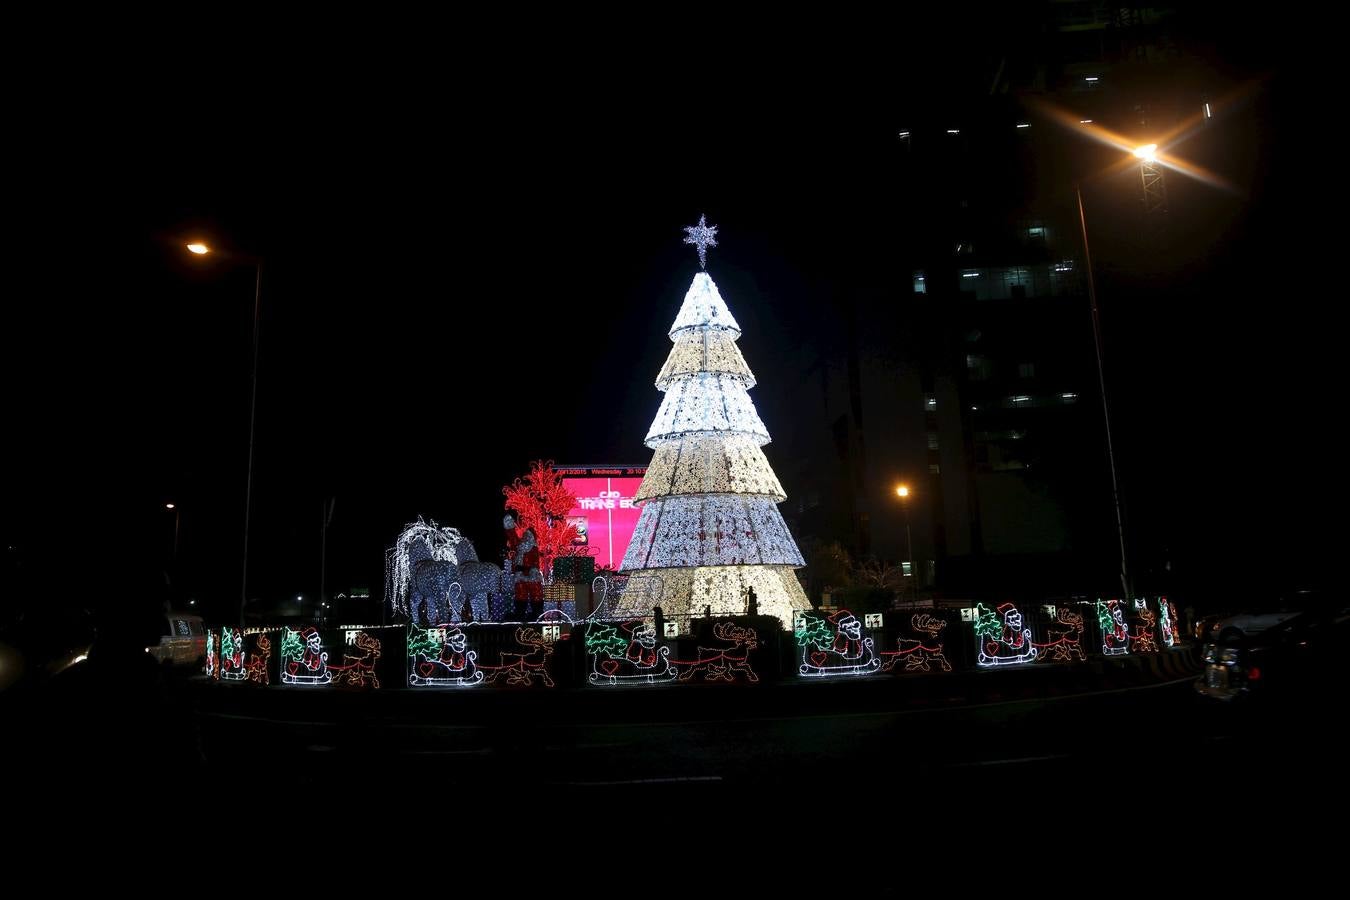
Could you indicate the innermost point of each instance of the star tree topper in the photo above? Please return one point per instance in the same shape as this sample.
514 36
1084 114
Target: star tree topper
701 236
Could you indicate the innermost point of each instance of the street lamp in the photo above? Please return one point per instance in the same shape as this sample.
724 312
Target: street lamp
174 507
1151 178
1151 164
200 249
1147 152
902 491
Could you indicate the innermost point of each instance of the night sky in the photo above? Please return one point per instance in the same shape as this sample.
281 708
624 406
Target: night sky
470 266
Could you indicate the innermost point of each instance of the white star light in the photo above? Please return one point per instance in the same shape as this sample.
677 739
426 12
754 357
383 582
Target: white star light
701 236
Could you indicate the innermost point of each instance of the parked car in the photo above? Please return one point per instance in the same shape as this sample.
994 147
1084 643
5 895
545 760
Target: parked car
182 640
1299 658
1261 617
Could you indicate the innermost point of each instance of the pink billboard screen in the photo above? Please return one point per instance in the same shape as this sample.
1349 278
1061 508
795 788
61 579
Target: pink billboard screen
605 514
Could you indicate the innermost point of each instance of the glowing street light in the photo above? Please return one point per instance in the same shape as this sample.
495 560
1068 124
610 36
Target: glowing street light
902 491
200 249
1151 164
1101 377
177 519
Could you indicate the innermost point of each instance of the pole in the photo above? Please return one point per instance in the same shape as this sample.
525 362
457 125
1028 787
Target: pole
252 424
909 543
328 507
323 555
1101 381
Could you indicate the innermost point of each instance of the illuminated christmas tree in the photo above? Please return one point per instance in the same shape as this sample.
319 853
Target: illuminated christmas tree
710 531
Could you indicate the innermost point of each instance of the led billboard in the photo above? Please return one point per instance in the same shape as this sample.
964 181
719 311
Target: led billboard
605 514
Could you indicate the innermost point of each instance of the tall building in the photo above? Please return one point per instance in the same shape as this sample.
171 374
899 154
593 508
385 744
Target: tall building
968 371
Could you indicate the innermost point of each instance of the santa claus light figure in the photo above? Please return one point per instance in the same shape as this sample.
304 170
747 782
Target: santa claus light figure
529 580
511 534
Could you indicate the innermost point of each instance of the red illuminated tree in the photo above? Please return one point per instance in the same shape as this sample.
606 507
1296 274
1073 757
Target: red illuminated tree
541 502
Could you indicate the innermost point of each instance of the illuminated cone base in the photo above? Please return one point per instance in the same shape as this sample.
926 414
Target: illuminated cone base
686 592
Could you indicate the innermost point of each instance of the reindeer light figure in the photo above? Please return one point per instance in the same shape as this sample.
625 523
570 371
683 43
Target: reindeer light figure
724 663
520 668
916 654
1065 643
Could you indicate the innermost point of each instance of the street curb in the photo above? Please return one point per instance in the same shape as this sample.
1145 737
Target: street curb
1177 663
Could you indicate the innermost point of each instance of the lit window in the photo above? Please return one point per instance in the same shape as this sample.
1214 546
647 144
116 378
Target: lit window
1036 231
934 469
1064 265
970 273
905 568
929 402
1019 400
920 283
1026 370
1068 396
932 440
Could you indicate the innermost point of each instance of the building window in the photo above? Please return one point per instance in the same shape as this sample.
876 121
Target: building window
1036 231
1019 400
932 440
1026 370
934 469
931 566
1069 397
905 568
978 367
929 403
920 283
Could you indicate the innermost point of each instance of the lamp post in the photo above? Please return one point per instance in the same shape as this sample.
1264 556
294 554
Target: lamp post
200 249
1148 154
902 491
174 507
